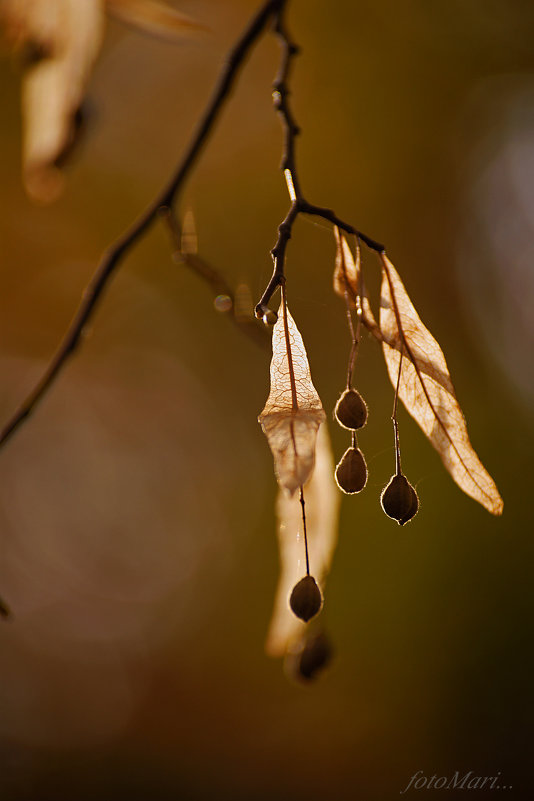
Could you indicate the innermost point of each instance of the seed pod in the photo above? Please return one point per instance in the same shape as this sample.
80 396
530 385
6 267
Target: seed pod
311 656
399 500
306 599
351 472
351 410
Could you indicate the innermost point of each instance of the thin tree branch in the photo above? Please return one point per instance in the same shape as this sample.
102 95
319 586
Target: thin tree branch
299 205
113 255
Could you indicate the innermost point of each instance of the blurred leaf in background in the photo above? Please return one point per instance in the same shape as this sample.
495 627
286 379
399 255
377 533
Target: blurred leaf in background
58 41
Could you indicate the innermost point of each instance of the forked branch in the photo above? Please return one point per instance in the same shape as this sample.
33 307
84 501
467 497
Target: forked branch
299 205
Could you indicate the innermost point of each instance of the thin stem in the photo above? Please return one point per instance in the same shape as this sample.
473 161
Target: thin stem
352 298
398 469
303 507
355 340
295 406
113 255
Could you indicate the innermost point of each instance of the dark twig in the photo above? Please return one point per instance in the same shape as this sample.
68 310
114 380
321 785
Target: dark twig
288 165
114 254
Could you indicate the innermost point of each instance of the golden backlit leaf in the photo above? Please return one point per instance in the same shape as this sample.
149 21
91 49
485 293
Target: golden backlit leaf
322 512
155 18
293 411
426 389
66 36
348 281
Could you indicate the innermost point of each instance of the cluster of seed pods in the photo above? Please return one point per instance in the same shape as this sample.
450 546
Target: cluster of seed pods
398 499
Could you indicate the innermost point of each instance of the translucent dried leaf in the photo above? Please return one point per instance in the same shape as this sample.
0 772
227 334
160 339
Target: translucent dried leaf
293 411
154 18
322 512
348 281
426 389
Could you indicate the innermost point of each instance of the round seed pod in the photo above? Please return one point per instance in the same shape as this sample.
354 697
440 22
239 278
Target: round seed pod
351 472
305 599
311 656
351 410
399 500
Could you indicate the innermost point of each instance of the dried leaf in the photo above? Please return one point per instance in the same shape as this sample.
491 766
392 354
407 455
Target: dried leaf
426 389
322 512
293 411
348 281
154 18
66 36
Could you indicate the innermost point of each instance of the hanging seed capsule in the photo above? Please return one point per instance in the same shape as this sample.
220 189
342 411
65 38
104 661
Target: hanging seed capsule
306 599
399 500
351 410
351 472
312 655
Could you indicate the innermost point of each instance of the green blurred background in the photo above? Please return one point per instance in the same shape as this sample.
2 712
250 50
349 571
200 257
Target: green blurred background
138 547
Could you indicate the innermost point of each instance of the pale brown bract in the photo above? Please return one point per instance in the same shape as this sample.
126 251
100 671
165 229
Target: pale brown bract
426 389
293 412
322 513
348 281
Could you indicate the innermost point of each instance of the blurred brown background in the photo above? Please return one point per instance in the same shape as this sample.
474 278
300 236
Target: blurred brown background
138 546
